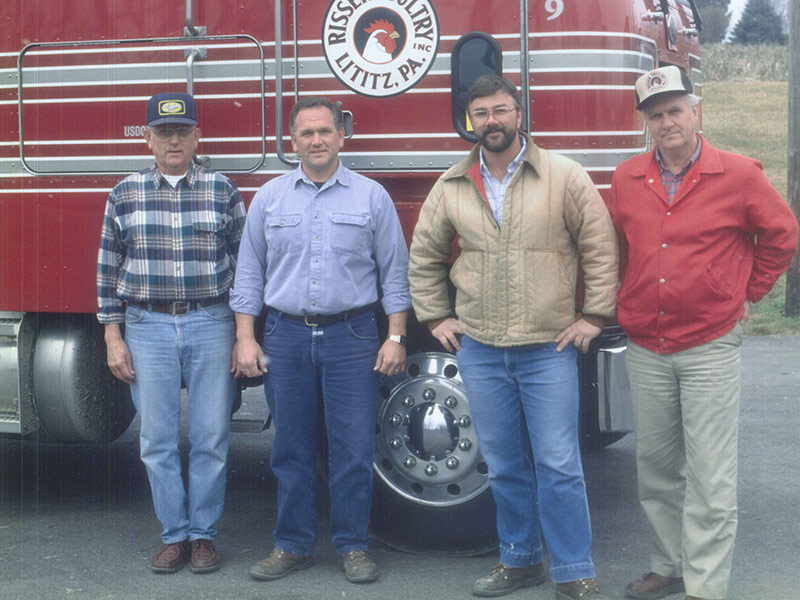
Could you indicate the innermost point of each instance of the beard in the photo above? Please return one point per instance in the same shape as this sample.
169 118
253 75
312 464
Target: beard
509 135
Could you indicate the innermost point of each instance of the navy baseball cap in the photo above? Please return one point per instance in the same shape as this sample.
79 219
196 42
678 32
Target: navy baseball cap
171 107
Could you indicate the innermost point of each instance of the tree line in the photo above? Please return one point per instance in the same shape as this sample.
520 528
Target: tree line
761 22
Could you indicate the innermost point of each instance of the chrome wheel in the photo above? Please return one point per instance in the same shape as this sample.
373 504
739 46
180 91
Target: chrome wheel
425 448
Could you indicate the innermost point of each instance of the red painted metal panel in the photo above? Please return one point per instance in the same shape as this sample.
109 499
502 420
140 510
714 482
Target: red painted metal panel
585 56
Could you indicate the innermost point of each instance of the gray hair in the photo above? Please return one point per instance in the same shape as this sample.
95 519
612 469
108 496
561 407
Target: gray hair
692 100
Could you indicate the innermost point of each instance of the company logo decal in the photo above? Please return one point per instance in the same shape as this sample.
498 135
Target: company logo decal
171 107
656 81
380 48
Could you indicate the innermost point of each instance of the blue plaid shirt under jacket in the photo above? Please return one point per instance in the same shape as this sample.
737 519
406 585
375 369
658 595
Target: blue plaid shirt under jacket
162 244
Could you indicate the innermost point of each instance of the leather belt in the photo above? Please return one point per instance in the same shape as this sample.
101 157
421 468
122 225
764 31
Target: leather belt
318 320
180 307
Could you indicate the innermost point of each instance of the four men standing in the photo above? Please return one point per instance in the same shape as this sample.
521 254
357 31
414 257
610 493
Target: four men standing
702 234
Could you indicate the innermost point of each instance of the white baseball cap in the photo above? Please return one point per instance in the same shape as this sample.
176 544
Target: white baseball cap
664 80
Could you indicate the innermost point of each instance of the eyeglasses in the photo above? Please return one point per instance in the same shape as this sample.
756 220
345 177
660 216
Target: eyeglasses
499 113
167 131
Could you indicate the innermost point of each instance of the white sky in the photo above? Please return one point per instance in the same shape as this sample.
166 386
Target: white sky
736 6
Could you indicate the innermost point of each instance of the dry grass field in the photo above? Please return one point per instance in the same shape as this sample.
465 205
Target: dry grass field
751 118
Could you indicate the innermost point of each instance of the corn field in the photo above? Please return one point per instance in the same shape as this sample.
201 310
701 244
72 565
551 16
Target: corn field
737 62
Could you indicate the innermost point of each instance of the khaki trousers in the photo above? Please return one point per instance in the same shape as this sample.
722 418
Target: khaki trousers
686 410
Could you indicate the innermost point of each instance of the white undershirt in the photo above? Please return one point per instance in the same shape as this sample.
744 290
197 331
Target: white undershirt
174 179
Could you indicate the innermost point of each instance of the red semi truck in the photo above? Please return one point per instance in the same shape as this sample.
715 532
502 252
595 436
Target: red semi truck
74 79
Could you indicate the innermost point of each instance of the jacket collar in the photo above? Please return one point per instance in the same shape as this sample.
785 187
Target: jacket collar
533 157
708 162
646 166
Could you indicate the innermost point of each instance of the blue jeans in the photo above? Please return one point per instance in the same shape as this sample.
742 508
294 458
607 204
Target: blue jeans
526 398
332 363
196 346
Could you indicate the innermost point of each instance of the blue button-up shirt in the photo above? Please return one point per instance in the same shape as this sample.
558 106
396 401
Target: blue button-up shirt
496 189
321 251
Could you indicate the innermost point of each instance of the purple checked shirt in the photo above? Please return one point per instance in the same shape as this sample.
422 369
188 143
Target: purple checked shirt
672 182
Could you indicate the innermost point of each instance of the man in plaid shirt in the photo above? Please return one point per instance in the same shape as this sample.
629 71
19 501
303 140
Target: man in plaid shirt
167 257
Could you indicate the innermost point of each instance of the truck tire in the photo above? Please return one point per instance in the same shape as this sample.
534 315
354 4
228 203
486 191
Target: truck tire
76 398
431 487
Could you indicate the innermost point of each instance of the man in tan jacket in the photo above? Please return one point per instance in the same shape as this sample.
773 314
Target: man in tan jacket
524 218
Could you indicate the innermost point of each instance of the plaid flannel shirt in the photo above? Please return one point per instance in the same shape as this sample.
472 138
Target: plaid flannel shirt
160 244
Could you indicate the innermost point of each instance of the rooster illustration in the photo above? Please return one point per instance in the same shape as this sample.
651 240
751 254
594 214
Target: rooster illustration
381 42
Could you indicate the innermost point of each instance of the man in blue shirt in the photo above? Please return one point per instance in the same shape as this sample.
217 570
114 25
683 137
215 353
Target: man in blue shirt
166 261
319 242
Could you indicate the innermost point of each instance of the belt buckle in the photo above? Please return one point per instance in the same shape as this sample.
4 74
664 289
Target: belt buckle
312 324
180 308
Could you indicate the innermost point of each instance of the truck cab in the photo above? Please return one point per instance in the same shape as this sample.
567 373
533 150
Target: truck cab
74 79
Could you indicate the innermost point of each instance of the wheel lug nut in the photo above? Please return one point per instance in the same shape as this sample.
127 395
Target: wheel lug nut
408 401
465 421
396 420
465 444
452 463
431 470
450 402
396 442
409 461
429 394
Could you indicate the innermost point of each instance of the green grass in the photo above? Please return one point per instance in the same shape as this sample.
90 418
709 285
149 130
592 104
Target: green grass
751 118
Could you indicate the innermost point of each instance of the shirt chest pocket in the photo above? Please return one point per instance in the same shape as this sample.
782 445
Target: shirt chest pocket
350 233
284 232
209 236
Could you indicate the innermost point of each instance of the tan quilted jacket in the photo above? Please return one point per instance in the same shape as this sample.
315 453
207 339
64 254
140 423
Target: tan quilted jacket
515 284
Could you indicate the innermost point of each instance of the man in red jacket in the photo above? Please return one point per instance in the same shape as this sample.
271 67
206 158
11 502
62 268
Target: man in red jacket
702 235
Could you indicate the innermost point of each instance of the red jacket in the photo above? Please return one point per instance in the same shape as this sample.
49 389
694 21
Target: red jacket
687 268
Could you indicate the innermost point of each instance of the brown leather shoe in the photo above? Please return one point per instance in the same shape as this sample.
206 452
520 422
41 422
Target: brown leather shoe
578 590
653 586
358 567
504 579
170 558
204 556
279 564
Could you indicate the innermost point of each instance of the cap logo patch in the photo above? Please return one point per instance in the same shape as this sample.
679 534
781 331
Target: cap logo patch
656 81
171 107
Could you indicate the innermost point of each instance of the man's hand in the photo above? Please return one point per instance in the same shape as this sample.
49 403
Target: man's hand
580 333
391 358
118 357
447 331
746 312
249 359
